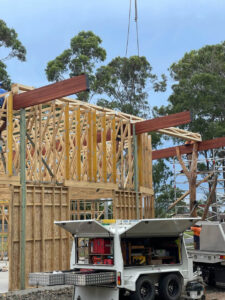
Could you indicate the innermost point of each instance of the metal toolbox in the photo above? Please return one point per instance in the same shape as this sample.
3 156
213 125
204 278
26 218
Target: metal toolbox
43 279
83 279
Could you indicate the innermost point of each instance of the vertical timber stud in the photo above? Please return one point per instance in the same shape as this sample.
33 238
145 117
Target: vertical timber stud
23 198
94 136
78 137
10 134
40 143
113 137
136 173
140 168
89 146
67 140
104 163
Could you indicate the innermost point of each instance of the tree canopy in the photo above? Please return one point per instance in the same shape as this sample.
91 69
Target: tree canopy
124 82
82 56
163 184
9 40
200 87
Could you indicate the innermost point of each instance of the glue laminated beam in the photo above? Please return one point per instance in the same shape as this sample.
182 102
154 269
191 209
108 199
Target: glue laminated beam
163 122
50 92
202 146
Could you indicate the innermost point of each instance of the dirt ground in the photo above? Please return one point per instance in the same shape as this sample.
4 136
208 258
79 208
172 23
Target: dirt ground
66 292
63 292
215 293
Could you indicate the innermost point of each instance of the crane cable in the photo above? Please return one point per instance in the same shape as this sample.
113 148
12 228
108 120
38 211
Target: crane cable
136 21
128 31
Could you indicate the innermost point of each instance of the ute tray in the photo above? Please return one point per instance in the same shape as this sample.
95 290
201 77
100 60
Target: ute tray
44 279
90 278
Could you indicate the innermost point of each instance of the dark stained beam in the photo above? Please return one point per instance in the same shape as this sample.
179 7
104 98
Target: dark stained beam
163 122
50 92
185 149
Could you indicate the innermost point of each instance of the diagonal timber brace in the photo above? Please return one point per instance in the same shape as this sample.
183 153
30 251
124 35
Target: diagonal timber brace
44 162
181 133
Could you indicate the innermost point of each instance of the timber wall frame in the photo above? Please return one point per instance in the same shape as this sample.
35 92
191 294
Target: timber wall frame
71 152
73 143
74 151
67 153
47 246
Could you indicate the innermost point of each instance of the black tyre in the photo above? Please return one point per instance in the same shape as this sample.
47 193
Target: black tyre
145 289
170 287
211 279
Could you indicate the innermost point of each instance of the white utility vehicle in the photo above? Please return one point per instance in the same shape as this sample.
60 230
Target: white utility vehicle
125 259
210 258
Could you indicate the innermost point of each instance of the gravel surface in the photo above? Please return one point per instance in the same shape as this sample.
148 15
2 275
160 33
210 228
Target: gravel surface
215 293
66 292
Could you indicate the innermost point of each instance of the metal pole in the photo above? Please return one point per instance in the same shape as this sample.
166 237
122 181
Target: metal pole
106 208
136 183
23 198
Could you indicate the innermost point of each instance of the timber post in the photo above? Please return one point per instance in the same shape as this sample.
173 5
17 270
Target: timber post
136 172
23 198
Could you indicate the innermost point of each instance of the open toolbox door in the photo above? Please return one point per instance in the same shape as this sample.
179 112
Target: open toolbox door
85 228
159 227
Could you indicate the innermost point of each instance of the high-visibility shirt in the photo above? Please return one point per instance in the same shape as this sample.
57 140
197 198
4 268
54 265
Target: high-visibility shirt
197 230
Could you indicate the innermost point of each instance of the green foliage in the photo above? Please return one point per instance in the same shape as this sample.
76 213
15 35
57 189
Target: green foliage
200 87
9 40
124 82
156 139
163 188
4 77
81 57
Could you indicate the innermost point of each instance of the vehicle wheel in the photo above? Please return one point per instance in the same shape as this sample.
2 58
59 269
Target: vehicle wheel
145 289
208 277
211 279
170 287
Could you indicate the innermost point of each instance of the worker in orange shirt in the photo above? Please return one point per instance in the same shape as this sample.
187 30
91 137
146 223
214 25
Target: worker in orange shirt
197 230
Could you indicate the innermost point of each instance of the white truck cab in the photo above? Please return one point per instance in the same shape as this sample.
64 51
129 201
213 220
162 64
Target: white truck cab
127 259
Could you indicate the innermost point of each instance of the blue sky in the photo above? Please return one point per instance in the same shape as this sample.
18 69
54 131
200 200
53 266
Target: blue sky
167 29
